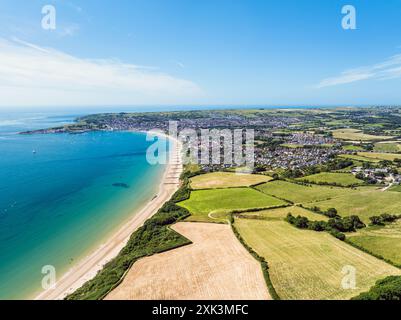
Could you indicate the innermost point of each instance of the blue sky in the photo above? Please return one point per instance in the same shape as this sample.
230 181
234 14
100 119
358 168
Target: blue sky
209 52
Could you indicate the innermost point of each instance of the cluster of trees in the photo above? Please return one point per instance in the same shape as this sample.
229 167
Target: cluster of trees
335 184
385 289
334 164
331 212
385 163
338 164
270 142
168 214
346 224
335 226
259 168
185 191
292 173
368 165
384 218
327 134
368 180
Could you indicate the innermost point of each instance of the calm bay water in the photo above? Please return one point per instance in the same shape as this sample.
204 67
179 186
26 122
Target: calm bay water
58 203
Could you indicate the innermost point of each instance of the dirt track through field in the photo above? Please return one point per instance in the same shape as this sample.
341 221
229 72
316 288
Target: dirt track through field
216 266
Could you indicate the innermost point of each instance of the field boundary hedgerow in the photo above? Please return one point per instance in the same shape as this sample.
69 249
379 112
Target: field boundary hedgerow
378 256
271 195
263 263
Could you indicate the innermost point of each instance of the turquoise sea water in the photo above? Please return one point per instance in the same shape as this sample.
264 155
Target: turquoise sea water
59 204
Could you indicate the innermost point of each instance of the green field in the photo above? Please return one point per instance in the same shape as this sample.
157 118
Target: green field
365 203
382 241
380 156
281 213
295 146
352 148
356 135
396 188
226 180
292 145
388 147
213 205
297 193
307 264
343 179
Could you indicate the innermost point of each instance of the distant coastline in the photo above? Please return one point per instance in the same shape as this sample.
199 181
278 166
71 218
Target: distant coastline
100 121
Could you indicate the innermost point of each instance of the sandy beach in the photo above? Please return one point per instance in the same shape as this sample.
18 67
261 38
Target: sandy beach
87 268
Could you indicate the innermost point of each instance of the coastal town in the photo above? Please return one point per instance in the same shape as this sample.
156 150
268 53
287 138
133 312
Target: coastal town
284 140
200 158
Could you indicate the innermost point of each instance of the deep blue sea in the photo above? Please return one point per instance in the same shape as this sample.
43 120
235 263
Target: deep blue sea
57 199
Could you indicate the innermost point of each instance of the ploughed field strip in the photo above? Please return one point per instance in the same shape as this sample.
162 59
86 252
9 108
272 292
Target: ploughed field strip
384 241
214 205
215 266
226 180
306 264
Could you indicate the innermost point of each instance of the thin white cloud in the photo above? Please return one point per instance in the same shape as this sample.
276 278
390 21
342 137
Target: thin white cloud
27 44
32 75
69 30
388 69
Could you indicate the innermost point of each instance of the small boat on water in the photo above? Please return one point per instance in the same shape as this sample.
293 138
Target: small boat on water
34 151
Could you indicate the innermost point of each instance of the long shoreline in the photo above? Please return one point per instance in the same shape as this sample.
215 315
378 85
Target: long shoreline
88 267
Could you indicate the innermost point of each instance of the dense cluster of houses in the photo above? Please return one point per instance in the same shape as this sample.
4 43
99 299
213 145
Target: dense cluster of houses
310 139
380 175
294 158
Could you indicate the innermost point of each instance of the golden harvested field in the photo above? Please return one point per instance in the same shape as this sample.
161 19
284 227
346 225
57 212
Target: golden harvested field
357 135
226 180
308 265
216 266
